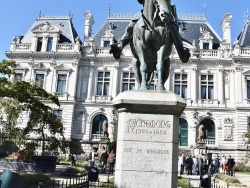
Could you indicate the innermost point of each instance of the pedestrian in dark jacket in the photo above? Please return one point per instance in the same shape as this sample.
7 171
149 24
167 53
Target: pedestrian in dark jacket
189 164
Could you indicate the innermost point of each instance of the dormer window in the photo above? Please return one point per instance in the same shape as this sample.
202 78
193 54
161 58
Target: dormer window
39 44
106 44
205 46
45 35
206 41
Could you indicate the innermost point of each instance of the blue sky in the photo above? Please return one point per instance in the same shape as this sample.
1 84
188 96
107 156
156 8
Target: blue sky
17 16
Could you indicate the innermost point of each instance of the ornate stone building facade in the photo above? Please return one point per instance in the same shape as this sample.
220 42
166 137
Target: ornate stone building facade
215 82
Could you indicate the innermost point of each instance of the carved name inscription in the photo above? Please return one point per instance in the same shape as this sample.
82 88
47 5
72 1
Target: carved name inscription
146 151
150 127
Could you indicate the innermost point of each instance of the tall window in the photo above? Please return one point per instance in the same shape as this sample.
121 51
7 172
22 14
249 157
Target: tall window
18 77
39 80
248 89
57 114
97 124
49 44
209 128
39 44
180 85
183 132
61 83
103 83
128 81
154 83
207 87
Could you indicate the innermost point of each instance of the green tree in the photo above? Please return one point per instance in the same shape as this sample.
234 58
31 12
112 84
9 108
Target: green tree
20 97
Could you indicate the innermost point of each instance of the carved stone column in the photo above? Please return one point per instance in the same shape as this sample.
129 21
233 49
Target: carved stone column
90 84
221 87
193 84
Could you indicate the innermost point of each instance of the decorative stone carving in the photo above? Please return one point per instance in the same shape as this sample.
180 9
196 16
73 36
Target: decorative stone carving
45 27
228 129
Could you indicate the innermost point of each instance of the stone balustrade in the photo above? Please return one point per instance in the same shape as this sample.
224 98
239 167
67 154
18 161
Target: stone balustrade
245 51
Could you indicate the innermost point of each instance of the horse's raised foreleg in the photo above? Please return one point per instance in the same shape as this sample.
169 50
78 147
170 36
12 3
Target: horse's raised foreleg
162 68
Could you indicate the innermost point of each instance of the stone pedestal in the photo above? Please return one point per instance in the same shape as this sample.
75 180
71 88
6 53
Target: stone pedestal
147 144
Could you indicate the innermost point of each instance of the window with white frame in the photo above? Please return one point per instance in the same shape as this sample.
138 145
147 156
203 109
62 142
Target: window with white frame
49 44
57 113
18 77
154 82
39 80
106 43
207 87
39 44
128 81
180 85
61 83
103 82
248 89
205 46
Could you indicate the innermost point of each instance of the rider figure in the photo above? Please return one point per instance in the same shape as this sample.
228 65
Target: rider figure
117 48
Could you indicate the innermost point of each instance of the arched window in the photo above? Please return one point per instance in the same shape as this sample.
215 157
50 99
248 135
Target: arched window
183 132
97 124
209 128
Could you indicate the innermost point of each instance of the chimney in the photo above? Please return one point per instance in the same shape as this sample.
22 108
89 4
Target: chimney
89 21
226 28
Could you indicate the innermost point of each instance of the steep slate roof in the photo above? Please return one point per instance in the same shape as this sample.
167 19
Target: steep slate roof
191 31
63 23
244 37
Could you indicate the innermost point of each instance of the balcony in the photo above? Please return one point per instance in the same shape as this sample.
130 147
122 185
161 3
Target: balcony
102 99
19 47
208 53
62 96
210 142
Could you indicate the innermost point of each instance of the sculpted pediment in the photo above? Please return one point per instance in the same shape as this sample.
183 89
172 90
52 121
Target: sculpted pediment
45 28
63 68
247 73
20 67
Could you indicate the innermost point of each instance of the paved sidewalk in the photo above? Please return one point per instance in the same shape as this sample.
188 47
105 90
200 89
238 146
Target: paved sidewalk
244 178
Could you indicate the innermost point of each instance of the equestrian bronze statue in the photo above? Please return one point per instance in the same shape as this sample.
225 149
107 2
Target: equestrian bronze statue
151 35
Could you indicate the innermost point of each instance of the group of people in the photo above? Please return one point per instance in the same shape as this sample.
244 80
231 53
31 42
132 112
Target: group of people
107 159
198 165
228 165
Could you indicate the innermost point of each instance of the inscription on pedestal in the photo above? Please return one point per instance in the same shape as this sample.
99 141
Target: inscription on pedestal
140 126
152 127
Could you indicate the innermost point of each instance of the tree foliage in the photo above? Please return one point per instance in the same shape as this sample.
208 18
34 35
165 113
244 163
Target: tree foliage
18 98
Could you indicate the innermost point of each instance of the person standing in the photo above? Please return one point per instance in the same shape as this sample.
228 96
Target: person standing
104 161
189 164
74 159
230 165
180 164
111 161
217 164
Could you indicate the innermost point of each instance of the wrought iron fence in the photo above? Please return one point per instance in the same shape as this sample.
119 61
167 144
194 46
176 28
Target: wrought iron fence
77 182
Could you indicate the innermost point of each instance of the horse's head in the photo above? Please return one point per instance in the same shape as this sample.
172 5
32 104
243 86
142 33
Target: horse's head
163 9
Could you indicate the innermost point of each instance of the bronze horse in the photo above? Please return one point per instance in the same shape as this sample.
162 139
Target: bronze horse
152 42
